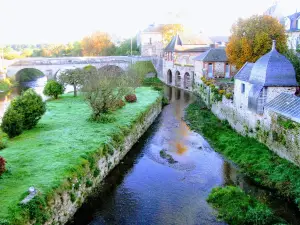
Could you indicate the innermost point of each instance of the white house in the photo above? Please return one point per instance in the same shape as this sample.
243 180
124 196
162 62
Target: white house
258 83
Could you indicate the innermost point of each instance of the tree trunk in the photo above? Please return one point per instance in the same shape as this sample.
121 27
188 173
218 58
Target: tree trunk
75 90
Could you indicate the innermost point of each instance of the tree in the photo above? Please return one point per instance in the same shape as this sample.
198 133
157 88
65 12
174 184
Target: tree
73 77
12 122
251 38
31 106
77 49
97 44
53 89
125 47
295 60
27 52
104 91
169 31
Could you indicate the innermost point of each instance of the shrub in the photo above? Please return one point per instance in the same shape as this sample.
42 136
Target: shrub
221 92
53 89
2 144
236 207
5 84
31 106
12 122
121 103
2 165
130 98
228 95
103 91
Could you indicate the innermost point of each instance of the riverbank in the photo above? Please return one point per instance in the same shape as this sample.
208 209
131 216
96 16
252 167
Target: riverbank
253 157
236 207
66 155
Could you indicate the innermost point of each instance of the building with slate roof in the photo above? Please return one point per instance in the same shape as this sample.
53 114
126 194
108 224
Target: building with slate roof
179 55
292 27
213 64
287 105
256 84
150 40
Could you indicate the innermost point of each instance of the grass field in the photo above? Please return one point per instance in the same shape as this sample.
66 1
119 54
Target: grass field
253 157
48 154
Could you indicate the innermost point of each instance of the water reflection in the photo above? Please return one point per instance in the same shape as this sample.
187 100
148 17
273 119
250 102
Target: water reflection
147 189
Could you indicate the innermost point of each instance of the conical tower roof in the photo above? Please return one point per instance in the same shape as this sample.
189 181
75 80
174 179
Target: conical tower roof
273 69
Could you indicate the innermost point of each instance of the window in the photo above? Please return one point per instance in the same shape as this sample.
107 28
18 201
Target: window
243 88
227 70
210 70
298 24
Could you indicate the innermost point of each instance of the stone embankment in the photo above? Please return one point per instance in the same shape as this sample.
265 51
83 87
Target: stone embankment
65 204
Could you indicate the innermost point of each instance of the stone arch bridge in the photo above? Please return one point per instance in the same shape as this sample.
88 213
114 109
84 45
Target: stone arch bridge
50 67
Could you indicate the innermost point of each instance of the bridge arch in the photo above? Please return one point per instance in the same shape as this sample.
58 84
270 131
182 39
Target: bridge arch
169 77
28 74
177 79
187 80
116 70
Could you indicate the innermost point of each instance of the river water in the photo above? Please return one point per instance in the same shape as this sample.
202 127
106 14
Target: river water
146 189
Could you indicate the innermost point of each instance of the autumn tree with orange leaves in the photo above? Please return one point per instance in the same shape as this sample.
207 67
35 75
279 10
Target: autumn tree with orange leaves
98 43
252 38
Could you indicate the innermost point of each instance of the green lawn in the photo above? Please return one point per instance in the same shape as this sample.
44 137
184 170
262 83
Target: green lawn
47 155
253 157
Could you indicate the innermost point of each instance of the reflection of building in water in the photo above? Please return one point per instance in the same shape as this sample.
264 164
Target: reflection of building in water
186 97
170 93
177 93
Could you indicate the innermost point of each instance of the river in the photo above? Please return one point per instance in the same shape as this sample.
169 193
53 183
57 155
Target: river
146 189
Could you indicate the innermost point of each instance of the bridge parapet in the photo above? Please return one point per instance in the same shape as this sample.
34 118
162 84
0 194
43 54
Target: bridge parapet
77 60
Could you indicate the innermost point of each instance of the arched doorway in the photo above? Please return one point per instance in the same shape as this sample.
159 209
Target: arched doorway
178 79
169 77
187 80
28 74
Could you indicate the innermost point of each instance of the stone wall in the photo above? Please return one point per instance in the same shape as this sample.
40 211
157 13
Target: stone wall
293 39
280 134
182 70
65 203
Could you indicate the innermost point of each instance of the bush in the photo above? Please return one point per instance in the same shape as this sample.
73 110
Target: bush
31 106
121 103
12 122
130 98
2 165
53 89
103 91
228 95
236 207
2 145
5 84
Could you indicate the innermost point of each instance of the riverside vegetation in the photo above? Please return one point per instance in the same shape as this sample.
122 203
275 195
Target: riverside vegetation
57 150
236 207
254 158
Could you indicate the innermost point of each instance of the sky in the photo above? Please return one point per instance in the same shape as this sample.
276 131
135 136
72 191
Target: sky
62 21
